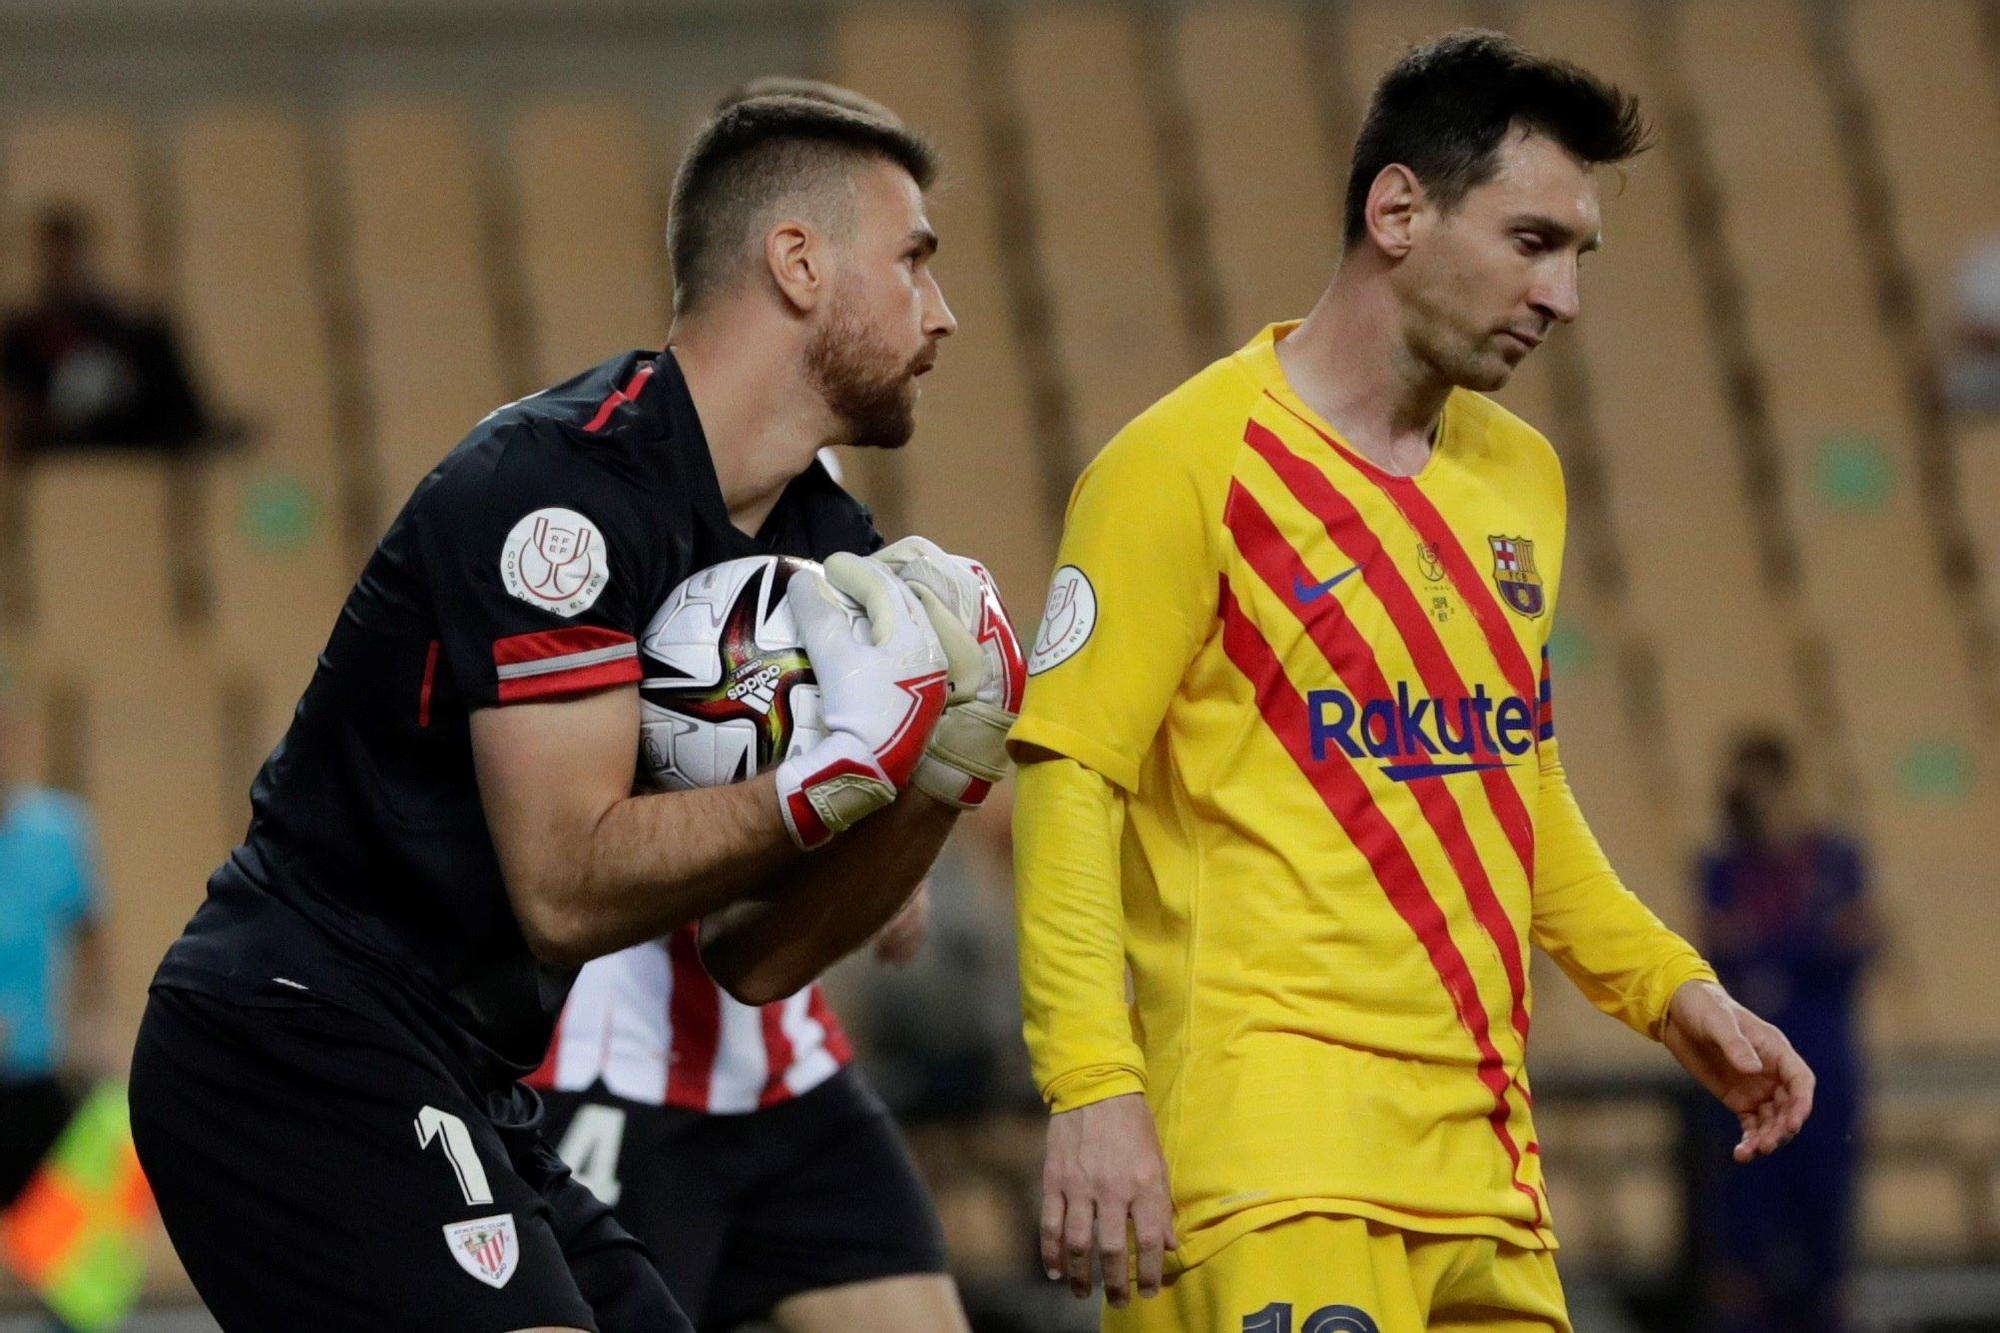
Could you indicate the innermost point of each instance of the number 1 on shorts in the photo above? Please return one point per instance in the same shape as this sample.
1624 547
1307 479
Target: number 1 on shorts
457 1139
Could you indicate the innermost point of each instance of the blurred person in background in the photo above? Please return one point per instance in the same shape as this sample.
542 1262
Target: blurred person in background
83 368
52 964
1789 926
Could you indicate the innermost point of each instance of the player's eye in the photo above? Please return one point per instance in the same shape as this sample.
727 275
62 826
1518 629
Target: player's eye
1529 243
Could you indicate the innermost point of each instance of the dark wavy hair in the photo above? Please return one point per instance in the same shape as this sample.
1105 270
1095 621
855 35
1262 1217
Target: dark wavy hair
1443 109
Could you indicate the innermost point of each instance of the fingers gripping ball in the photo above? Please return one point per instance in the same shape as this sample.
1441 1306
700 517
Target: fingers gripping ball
968 751
883 681
770 661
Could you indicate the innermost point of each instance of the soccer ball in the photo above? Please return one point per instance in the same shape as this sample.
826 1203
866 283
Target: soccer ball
728 691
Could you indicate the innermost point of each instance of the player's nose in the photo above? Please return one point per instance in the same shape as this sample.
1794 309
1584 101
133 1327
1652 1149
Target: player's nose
1557 297
939 322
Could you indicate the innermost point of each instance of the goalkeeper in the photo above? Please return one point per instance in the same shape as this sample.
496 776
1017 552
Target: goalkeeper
1290 763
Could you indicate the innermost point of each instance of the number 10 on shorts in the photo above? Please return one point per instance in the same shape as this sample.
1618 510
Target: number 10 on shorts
1277 1318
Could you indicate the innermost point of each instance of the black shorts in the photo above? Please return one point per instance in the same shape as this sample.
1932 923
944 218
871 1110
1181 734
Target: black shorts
320 1169
33 1114
742 1211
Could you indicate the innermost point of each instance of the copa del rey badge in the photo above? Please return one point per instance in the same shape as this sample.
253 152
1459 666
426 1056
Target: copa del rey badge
555 559
1067 622
487 1247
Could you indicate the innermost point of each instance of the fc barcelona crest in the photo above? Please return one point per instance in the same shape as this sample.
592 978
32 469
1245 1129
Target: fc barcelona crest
1514 574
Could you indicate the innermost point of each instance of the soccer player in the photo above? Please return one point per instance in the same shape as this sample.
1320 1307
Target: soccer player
1294 765
324 1089
737 1141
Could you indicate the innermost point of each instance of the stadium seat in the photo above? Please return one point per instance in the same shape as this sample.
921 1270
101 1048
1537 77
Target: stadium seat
166 818
1979 489
1666 443
101 539
1831 377
1271 182
415 205
972 479
590 227
1937 121
249 262
1102 216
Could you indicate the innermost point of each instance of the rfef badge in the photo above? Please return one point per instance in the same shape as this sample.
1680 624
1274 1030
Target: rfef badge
1514 574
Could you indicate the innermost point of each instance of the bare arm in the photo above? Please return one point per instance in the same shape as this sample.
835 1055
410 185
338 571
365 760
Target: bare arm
828 904
591 868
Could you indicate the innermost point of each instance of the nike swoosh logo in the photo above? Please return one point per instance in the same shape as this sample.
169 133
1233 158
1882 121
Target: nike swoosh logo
1312 592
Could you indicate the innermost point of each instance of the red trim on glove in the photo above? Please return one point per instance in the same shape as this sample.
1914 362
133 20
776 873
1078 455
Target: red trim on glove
899 758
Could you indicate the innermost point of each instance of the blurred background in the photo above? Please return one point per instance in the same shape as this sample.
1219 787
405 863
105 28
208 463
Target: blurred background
265 261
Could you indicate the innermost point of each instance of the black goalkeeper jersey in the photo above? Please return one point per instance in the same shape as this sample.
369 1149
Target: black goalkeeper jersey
524 568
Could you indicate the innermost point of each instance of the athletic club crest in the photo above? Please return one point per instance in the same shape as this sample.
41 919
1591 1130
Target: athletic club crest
487 1247
1514 574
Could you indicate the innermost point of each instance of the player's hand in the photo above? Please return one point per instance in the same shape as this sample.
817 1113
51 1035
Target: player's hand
1104 1191
1744 1061
882 684
968 751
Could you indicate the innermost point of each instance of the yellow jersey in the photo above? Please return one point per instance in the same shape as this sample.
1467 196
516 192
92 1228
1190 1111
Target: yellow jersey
1321 693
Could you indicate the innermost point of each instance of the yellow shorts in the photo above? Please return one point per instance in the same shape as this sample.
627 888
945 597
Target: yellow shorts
1319 1274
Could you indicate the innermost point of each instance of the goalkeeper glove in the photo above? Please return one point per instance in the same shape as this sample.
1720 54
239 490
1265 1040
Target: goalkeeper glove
968 751
882 682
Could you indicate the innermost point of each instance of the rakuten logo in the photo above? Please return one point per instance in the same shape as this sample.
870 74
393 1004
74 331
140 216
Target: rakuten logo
1414 734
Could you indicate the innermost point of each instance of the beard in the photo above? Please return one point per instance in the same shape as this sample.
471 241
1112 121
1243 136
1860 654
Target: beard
865 383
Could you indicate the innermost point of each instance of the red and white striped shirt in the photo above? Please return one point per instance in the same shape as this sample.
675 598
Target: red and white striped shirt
652 1026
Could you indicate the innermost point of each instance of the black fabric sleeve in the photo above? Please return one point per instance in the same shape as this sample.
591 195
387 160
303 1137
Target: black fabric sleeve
537 571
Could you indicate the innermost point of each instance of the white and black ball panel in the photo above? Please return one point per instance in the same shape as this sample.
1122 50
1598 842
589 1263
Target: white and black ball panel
727 691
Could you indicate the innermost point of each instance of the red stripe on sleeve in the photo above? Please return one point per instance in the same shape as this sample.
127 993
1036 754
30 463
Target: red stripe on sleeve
556 663
544 644
1422 515
695 1012
777 1054
1348 652
1346 797
1358 541
619 397
836 1036
561 684
430 679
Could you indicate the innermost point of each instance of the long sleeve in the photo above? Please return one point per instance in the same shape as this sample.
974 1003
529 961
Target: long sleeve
1619 954
1068 821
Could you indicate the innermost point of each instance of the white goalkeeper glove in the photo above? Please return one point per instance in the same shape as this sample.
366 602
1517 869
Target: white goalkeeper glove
882 685
968 751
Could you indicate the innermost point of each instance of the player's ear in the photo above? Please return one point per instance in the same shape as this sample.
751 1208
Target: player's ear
1393 201
796 255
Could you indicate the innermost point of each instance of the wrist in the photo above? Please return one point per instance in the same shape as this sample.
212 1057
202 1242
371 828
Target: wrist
1087 1086
829 789
1701 982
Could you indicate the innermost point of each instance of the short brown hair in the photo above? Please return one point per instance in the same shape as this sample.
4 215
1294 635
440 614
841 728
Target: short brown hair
1443 109
758 152
790 85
